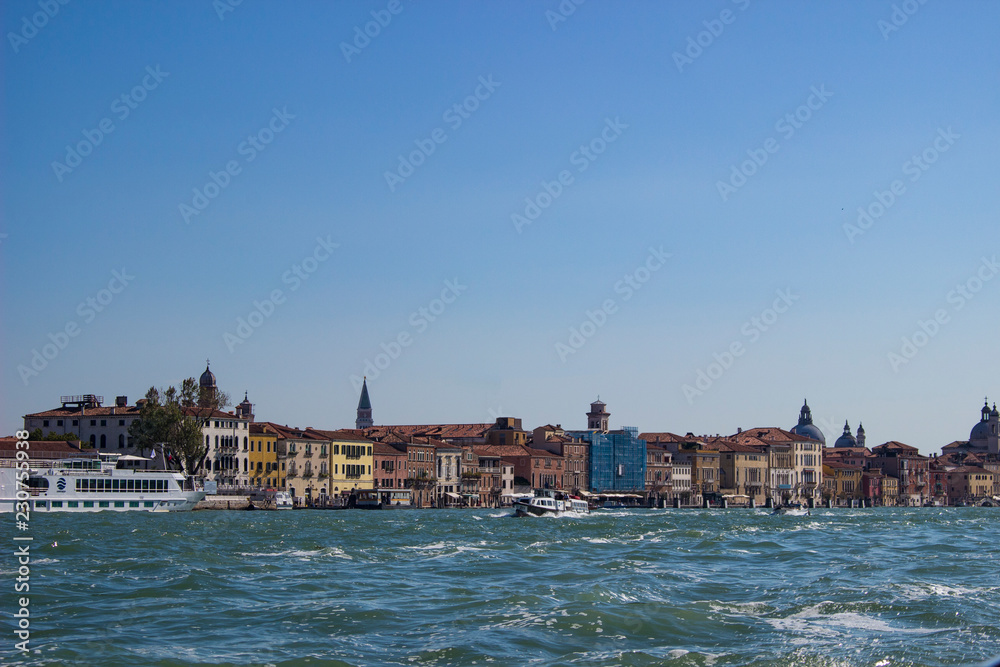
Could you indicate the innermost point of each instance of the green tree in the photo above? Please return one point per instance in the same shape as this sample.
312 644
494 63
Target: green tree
162 424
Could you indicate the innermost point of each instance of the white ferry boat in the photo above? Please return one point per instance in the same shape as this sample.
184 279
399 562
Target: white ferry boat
548 503
93 485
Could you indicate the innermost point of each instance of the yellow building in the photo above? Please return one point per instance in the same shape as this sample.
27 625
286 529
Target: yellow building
847 488
264 470
350 462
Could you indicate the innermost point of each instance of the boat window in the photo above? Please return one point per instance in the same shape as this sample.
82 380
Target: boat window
38 483
133 503
149 504
119 503
72 503
88 503
103 503
56 503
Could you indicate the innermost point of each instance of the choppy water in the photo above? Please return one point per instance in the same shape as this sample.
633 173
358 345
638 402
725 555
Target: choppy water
650 587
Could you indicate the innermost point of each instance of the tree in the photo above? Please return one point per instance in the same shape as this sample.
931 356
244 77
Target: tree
37 434
163 423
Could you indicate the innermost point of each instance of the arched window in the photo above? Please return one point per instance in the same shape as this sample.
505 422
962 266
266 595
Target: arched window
121 441
244 443
104 441
244 465
207 442
216 442
93 440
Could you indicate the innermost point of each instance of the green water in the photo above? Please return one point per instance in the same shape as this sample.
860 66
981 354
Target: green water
649 587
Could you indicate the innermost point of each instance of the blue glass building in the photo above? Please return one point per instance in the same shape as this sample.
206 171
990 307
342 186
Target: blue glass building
617 459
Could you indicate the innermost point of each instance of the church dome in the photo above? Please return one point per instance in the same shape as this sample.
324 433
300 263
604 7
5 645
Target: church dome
207 378
981 431
806 428
846 440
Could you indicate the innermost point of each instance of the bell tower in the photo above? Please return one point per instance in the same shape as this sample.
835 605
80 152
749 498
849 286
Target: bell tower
597 418
364 419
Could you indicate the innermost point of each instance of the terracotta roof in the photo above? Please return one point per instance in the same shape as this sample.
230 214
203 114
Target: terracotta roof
502 450
109 411
209 413
661 437
349 435
543 453
440 431
44 449
261 428
775 434
382 449
292 433
840 464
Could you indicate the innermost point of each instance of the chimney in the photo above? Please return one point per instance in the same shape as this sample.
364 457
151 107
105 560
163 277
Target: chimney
121 401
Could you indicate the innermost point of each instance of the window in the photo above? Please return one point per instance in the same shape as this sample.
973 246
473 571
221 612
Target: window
104 422
59 422
104 441
121 422
45 422
121 441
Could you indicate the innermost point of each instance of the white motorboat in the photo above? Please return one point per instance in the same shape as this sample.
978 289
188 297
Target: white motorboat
93 485
549 504
283 501
791 510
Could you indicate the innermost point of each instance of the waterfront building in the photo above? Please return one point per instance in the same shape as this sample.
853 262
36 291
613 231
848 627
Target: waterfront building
344 461
490 476
617 458
471 478
983 439
546 469
908 466
969 484
575 453
448 461
806 461
421 457
890 491
846 483
743 471
871 487
659 465
227 446
680 482
296 455
390 466
263 457
103 428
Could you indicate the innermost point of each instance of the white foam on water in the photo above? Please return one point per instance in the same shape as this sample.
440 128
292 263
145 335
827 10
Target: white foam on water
811 622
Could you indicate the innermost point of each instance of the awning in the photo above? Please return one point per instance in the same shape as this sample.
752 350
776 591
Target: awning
452 495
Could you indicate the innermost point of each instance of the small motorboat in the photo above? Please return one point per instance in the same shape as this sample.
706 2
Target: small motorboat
549 503
791 510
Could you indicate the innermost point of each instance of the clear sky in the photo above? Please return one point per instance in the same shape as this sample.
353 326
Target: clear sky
678 183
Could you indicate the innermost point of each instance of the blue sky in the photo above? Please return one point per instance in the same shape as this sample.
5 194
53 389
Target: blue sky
270 81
